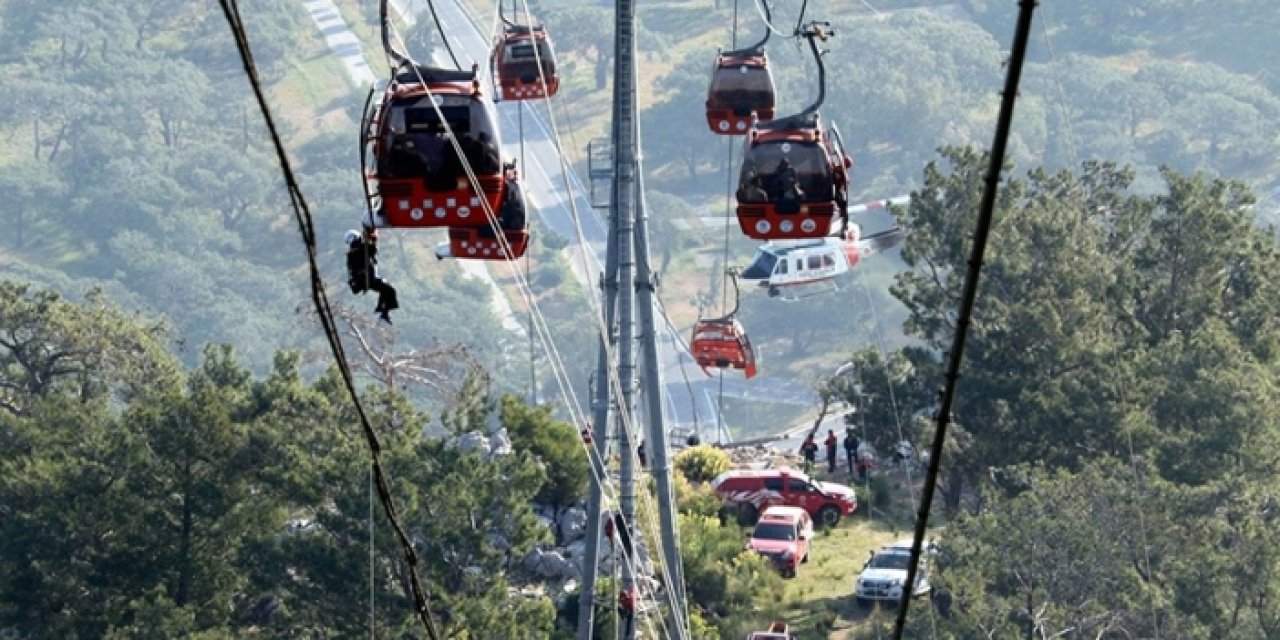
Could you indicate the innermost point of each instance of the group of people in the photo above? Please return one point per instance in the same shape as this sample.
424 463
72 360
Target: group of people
857 463
431 156
781 184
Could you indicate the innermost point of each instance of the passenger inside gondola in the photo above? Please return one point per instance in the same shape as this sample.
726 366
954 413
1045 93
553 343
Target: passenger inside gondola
783 183
481 152
752 190
404 159
512 214
793 172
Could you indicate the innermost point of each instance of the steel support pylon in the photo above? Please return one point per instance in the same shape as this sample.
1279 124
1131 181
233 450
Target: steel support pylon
629 287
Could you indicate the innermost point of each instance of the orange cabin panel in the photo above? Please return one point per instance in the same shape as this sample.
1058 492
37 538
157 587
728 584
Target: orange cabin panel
723 344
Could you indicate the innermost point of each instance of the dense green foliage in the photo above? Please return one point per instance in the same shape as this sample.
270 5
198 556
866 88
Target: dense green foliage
138 498
1116 402
557 445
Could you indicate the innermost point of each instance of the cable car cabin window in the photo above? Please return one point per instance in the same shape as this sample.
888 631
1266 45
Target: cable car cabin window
741 88
786 170
524 51
815 262
828 260
426 120
520 62
782 267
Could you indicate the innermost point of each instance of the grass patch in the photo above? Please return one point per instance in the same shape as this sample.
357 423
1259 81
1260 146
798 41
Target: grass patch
820 599
819 602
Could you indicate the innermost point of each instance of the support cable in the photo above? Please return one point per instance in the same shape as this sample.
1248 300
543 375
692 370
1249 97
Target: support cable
985 213
302 214
897 421
1062 94
671 328
728 216
440 30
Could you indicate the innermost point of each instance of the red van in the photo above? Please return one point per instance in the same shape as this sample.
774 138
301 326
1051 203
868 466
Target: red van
748 492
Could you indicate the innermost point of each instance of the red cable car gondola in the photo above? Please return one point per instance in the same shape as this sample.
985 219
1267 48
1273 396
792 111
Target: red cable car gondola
741 85
794 177
413 171
723 343
484 243
524 62
418 177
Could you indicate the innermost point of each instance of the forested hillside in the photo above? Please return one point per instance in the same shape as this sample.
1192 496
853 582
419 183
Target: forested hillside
1112 466
134 162
178 458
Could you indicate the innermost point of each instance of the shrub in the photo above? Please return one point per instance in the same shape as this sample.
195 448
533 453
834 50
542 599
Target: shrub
881 492
556 444
696 499
702 463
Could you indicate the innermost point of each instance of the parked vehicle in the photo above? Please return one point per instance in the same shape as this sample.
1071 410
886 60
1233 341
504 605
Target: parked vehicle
884 574
783 535
748 492
777 631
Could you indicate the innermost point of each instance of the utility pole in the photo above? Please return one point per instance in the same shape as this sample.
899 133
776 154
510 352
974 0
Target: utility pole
628 276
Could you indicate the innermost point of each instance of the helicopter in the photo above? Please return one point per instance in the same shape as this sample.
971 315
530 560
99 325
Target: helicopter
792 269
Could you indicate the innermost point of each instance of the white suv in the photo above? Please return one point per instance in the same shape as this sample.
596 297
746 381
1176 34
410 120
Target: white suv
884 574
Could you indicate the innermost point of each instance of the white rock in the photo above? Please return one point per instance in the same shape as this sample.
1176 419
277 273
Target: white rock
473 441
573 524
500 444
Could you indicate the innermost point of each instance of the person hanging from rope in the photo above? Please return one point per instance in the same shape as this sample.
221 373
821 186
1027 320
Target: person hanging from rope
362 271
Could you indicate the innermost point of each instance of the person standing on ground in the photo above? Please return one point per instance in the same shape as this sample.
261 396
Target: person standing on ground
850 449
810 452
831 443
